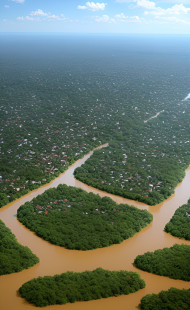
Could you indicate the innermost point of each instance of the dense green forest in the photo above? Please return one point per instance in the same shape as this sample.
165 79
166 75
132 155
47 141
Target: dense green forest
171 262
56 109
13 256
132 172
173 299
70 287
179 225
75 219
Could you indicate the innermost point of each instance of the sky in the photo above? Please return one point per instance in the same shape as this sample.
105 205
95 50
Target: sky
109 16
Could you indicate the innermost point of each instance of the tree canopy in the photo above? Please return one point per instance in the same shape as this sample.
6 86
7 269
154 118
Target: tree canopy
75 219
70 287
171 262
14 257
179 225
173 299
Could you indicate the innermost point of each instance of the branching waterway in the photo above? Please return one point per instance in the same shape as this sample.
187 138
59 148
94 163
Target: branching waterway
56 260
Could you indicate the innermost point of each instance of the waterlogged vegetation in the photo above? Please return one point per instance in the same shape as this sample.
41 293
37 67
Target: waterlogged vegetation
167 300
134 171
56 105
54 109
70 287
13 256
171 262
179 225
75 219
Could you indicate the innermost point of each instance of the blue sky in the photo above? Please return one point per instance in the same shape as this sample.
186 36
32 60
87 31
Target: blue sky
109 16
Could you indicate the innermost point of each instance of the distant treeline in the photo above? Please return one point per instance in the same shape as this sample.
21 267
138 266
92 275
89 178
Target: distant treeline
13 256
173 299
179 225
171 262
75 219
70 287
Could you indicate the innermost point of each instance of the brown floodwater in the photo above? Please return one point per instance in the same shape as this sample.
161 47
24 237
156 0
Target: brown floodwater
56 260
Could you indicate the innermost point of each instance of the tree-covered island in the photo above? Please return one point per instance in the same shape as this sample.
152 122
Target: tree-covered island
14 257
75 219
179 225
171 262
70 287
173 299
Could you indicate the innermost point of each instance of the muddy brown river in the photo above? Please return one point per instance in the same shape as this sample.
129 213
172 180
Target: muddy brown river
56 260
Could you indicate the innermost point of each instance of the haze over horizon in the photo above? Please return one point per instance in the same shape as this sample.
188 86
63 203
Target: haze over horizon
113 16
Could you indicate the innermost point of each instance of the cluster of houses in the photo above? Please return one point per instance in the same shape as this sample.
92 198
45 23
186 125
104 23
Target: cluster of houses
57 205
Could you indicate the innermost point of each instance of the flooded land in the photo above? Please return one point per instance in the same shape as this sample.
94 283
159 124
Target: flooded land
63 97
56 260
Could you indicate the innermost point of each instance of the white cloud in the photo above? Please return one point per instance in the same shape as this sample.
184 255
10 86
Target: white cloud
121 16
18 1
159 1
39 12
117 18
7 6
92 6
81 7
146 4
169 11
173 19
56 17
135 19
177 9
130 19
104 19
39 15
31 18
20 18
125 1
175 1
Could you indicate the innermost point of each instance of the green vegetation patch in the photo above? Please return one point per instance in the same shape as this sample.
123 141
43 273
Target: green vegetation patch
130 169
13 256
172 262
179 224
173 299
70 286
75 219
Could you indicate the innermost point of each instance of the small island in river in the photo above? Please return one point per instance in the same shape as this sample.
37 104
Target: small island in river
72 218
171 262
171 299
70 287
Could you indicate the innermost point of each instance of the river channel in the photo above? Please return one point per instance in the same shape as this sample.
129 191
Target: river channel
56 260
